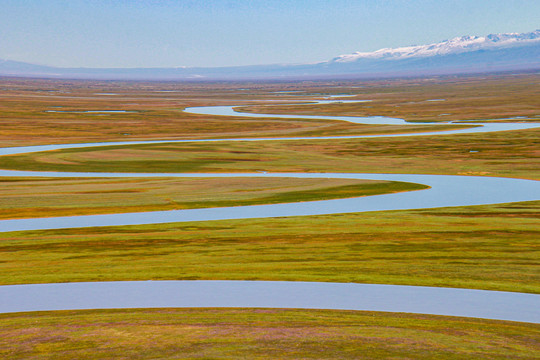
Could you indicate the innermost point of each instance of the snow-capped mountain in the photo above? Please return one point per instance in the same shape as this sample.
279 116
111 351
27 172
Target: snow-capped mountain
457 45
462 55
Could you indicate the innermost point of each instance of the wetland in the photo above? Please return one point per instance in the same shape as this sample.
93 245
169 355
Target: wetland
489 247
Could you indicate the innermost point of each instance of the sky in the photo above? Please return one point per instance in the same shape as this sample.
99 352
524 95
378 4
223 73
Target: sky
211 33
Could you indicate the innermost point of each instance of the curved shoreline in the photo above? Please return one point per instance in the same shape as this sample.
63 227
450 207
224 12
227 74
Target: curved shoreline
445 191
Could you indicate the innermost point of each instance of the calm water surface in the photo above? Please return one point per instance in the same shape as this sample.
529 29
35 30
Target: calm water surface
498 305
444 191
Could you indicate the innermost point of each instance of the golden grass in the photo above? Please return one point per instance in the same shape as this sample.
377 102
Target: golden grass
49 197
260 334
506 154
157 107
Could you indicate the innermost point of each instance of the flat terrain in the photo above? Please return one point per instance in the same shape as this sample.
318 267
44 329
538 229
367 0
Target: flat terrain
505 154
48 197
154 109
493 247
435 99
260 334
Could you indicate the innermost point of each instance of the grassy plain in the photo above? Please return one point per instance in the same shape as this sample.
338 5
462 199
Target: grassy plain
484 247
24 106
491 247
34 112
260 334
47 197
506 154
434 99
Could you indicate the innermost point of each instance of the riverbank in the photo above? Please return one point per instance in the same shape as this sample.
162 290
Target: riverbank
260 334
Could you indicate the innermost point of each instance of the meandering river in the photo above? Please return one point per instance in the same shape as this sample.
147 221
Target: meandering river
444 191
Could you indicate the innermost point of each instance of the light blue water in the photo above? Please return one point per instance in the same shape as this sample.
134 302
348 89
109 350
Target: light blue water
444 191
271 294
372 120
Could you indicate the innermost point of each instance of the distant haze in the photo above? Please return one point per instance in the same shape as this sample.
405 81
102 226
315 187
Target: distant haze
217 33
466 54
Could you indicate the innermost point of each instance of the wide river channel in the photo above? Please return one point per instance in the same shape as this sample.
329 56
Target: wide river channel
444 191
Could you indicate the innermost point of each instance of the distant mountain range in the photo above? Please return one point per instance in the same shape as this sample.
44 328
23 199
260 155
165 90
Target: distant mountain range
457 45
462 55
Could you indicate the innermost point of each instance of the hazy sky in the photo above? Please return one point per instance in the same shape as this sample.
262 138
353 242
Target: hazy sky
154 33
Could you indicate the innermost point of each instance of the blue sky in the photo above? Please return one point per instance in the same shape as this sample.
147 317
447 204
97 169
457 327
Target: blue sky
153 33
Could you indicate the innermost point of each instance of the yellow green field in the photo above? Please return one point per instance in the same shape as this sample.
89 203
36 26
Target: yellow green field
490 247
260 334
48 197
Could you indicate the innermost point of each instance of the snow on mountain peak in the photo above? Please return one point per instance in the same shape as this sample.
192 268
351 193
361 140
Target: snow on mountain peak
453 46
